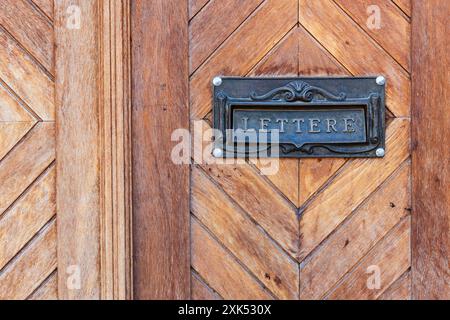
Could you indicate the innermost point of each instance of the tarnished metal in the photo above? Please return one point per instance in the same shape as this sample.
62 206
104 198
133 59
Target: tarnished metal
299 117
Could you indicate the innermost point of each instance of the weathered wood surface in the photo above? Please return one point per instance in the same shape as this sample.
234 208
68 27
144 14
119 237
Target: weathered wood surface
26 78
337 32
368 225
30 268
330 217
399 290
230 280
390 257
78 235
27 152
201 291
47 6
242 50
93 150
431 156
398 43
160 187
30 28
238 233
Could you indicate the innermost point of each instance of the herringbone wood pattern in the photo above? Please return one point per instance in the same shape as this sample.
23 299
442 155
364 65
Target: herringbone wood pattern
317 228
27 151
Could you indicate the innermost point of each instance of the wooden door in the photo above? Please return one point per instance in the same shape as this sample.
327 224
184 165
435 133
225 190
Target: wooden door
319 228
97 209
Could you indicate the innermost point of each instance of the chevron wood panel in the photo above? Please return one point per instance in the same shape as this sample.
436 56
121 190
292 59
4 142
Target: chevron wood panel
317 227
27 151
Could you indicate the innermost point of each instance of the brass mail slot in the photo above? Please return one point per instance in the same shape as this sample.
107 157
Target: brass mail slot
299 117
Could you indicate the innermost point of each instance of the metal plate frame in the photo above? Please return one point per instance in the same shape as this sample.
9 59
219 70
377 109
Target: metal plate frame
316 93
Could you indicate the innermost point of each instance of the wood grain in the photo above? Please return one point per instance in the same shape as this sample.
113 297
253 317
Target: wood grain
201 291
30 28
404 5
399 290
11 110
280 60
207 32
343 249
195 6
431 155
27 216
78 175
352 47
314 60
398 43
19 170
47 6
359 179
229 279
242 51
38 260
391 255
256 197
10 134
239 234
93 167
115 121
48 290
26 78
314 173
160 188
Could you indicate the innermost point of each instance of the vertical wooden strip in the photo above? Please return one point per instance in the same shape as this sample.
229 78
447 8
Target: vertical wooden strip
78 148
160 188
430 157
93 180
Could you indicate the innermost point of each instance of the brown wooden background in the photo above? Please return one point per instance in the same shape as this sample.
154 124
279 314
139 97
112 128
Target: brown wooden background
27 151
312 230
309 232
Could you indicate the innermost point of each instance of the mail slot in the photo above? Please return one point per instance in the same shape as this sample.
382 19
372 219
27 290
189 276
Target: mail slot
301 117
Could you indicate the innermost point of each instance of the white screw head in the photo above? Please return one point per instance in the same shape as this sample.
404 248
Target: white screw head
218 153
380 152
381 81
217 81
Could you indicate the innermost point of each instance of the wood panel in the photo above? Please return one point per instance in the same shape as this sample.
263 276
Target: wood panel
357 181
369 224
47 6
398 44
332 217
160 188
27 153
27 216
242 50
47 290
37 261
399 290
207 32
431 171
32 30
231 281
26 78
390 257
239 234
201 291
93 167
78 235
349 44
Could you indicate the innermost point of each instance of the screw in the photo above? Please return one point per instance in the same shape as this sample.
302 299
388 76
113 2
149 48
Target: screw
217 81
380 152
218 153
381 81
